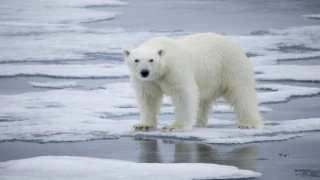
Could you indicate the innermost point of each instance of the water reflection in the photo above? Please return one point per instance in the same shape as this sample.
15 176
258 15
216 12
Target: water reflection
243 157
149 151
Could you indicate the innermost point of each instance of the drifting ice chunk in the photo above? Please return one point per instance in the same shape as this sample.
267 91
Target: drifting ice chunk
284 130
83 168
53 85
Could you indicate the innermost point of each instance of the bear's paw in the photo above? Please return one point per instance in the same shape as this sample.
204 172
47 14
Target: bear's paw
174 128
250 126
143 127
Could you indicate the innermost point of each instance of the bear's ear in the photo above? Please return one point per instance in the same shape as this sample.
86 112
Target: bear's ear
161 52
126 53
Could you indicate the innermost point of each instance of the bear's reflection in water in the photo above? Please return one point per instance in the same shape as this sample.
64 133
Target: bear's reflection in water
243 157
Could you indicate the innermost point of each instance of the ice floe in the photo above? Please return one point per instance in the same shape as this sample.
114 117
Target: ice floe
281 93
32 31
75 115
59 167
54 85
312 16
288 73
108 70
81 127
66 42
273 131
281 44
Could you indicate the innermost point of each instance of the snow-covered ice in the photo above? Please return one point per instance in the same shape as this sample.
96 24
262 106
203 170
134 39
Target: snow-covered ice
281 93
74 115
264 72
54 85
274 131
73 43
288 72
54 30
281 44
65 71
81 127
67 167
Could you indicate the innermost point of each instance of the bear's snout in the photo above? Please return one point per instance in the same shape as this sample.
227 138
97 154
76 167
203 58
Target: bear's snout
144 73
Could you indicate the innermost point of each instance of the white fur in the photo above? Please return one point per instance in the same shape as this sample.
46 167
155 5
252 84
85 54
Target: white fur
194 71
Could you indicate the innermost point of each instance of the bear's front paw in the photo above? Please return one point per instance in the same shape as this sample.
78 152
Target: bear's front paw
250 126
176 128
143 127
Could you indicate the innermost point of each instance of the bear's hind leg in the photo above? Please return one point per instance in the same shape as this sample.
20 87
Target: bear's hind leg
204 110
244 101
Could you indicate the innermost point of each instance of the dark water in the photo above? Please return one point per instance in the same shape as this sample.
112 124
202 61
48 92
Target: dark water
275 160
221 16
17 85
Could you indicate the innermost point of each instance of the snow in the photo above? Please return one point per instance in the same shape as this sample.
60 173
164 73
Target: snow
288 72
284 130
77 115
67 167
81 127
54 85
312 16
281 93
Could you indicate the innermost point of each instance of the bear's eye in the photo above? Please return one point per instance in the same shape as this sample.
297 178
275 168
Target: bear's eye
137 60
151 60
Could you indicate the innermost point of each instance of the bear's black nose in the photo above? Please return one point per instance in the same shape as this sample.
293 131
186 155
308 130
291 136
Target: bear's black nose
144 73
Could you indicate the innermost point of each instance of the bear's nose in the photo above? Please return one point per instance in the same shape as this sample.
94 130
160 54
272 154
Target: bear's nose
144 73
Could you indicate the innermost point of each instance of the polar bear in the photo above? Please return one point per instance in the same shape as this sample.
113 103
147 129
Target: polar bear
194 71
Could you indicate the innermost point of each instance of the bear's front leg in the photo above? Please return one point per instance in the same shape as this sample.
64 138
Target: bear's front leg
149 99
185 101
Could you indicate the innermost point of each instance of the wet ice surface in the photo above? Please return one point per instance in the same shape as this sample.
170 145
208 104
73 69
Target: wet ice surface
312 16
62 79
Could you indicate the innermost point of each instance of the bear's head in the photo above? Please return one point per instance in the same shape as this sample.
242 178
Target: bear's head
145 62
